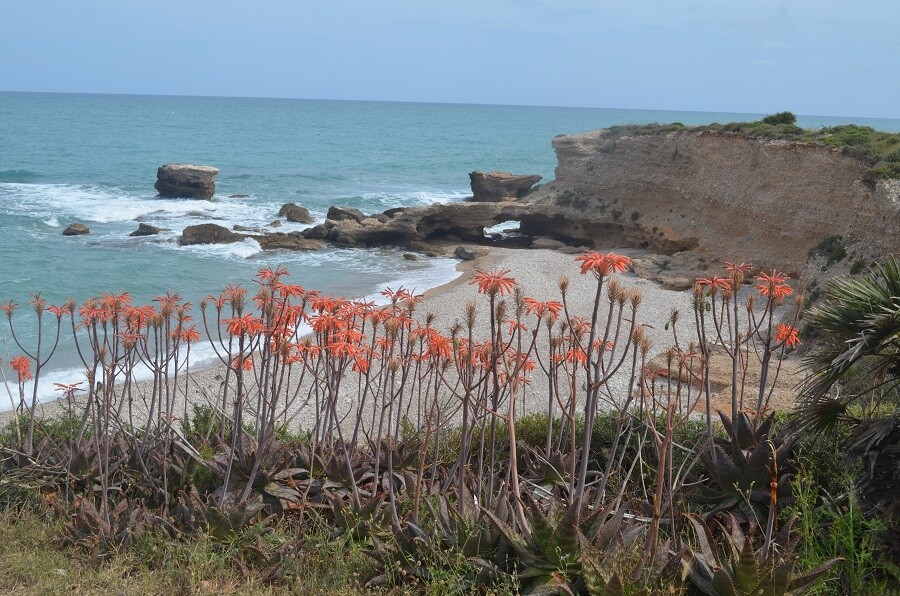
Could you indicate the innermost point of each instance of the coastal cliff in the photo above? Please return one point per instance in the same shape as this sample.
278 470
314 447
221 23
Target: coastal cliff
795 206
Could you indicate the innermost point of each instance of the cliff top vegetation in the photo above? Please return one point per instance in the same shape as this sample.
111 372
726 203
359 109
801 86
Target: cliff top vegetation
880 150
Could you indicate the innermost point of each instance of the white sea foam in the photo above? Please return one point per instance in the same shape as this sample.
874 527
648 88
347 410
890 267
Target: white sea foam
202 355
52 222
103 205
236 250
439 272
417 198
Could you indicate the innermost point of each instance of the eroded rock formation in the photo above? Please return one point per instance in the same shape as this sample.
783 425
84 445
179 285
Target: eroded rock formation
771 203
500 186
180 180
210 233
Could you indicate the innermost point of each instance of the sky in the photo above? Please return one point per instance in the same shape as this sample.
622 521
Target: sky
815 57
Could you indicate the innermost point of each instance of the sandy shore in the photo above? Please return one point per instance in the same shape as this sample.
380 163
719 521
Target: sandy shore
538 273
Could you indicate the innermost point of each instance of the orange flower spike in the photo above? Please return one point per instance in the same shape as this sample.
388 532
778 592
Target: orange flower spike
190 334
788 335
550 308
8 307
737 268
59 311
246 325
714 283
494 282
266 274
38 303
22 366
602 264
772 285
514 326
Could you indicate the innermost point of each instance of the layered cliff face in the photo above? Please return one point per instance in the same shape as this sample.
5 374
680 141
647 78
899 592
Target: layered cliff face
795 206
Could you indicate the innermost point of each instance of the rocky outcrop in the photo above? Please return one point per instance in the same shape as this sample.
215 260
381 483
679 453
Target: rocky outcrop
76 229
145 229
727 196
420 228
179 180
500 186
208 233
336 213
295 213
291 241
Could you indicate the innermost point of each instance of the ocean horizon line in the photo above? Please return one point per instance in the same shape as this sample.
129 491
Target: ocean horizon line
726 112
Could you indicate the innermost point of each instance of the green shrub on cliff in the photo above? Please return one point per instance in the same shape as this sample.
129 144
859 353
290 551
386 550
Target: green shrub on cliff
780 118
880 150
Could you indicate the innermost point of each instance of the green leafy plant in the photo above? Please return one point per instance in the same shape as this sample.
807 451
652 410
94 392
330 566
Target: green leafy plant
736 568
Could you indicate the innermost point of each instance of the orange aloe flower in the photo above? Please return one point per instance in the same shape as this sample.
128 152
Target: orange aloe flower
737 268
267 274
772 285
714 283
59 311
190 334
550 308
22 366
603 263
242 363
496 281
787 334
246 325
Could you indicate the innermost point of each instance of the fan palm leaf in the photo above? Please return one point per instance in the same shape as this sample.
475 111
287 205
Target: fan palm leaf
859 327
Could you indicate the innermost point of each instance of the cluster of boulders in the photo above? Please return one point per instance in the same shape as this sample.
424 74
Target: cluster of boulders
453 228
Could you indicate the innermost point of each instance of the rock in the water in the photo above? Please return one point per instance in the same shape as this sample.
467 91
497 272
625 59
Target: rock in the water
291 241
343 213
238 196
464 253
180 180
295 213
240 228
147 230
498 186
410 256
275 224
208 234
76 229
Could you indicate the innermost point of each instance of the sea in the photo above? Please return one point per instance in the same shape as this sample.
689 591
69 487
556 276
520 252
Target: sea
92 159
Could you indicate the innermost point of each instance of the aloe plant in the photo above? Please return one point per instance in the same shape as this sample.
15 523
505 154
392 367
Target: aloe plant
732 567
742 469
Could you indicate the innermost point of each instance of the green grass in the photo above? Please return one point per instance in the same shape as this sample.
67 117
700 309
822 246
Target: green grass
32 562
879 150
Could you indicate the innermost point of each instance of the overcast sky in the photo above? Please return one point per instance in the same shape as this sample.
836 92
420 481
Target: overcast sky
817 57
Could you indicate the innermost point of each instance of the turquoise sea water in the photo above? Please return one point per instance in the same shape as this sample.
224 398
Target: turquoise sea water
92 159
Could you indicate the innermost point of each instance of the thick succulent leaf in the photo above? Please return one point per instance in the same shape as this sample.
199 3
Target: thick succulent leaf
614 587
777 583
723 585
592 569
744 429
746 570
765 429
726 471
282 492
799 584
525 554
705 538
609 529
